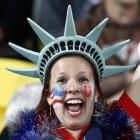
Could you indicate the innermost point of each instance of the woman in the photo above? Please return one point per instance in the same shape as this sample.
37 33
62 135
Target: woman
71 108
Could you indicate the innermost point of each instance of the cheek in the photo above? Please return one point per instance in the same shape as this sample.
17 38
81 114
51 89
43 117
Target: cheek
57 95
88 91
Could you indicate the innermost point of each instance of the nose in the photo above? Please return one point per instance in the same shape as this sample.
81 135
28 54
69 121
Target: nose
73 87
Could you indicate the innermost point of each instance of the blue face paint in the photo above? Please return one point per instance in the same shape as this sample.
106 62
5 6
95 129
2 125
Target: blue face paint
58 91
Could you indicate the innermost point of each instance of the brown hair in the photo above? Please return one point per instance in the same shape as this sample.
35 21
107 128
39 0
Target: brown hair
43 105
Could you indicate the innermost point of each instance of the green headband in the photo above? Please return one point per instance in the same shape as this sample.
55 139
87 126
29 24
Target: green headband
70 43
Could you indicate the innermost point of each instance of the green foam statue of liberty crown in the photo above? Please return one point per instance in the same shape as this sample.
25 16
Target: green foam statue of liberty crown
70 43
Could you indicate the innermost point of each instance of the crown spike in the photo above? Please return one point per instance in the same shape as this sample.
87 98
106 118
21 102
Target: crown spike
111 69
69 24
33 56
44 36
25 72
95 33
109 51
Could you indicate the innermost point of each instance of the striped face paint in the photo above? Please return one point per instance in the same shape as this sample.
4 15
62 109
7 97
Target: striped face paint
57 95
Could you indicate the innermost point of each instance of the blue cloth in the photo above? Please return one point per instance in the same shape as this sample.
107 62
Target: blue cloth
94 133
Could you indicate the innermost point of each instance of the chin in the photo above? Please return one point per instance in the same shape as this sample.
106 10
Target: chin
76 124
126 21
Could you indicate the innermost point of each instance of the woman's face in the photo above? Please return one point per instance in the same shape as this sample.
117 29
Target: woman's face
125 12
73 91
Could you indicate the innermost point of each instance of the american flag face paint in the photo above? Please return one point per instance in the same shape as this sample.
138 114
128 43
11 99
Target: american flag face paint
57 95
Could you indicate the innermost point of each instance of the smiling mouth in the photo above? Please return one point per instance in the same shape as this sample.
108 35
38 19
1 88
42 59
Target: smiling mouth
74 106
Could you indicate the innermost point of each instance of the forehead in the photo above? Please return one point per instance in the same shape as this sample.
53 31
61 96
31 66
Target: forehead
71 62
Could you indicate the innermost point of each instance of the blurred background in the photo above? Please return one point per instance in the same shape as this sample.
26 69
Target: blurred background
124 23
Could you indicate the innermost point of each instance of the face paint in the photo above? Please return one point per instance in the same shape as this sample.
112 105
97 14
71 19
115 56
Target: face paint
57 95
87 91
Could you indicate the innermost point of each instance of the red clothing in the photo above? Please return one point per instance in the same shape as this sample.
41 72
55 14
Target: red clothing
67 136
130 107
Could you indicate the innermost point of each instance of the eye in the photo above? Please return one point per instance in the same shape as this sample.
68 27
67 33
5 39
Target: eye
61 80
83 79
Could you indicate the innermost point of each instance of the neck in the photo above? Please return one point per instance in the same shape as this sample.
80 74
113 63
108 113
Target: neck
74 133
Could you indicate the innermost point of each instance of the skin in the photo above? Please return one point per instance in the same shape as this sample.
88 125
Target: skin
124 11
73 76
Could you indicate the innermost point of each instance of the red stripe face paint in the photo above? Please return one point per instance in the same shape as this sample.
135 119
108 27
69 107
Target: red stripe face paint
87 91
57 101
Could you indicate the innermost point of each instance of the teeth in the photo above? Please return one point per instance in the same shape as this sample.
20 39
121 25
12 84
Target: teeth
74 101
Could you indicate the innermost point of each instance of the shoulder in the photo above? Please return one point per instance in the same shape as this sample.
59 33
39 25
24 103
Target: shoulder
129 106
